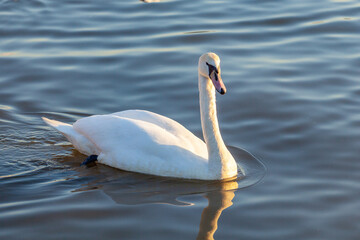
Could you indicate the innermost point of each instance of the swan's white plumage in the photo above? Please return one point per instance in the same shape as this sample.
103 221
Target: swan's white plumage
145 142
141 145
80 142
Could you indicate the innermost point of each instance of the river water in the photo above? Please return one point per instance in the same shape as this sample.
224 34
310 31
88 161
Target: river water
292 71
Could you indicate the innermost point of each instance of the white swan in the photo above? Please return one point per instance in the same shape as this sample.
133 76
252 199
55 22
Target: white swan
145 142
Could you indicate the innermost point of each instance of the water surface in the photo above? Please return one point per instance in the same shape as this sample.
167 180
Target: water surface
292 73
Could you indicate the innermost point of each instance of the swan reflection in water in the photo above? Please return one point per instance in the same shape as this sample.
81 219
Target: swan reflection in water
132 188
217 202
219 198
218 193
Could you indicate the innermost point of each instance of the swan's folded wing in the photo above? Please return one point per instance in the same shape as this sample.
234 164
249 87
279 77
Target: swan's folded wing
166 123
139 146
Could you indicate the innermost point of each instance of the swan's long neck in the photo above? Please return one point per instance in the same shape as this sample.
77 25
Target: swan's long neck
221 162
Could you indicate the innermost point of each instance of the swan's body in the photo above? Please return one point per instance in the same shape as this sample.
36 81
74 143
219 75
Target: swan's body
145 142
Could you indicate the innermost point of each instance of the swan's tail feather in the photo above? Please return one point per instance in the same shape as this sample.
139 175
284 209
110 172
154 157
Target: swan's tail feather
64 128
80 142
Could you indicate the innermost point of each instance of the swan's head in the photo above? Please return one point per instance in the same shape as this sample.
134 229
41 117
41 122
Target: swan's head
209 67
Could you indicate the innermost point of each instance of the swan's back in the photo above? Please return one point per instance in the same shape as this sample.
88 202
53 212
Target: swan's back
192 142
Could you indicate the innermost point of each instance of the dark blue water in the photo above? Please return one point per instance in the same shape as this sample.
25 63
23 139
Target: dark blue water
292 72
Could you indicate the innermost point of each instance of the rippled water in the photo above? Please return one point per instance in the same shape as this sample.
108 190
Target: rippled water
292 71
